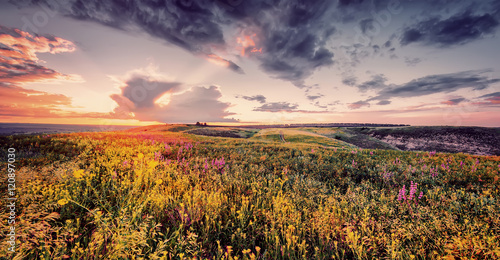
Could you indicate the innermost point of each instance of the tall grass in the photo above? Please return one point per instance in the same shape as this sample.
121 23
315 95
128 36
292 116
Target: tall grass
174 196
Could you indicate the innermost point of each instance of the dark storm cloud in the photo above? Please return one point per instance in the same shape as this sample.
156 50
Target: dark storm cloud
434 84
349 2
258 98
294 50
294 55
188 24
456 30
292 33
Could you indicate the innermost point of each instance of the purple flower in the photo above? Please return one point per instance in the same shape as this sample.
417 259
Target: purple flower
206 164
413 190
402 194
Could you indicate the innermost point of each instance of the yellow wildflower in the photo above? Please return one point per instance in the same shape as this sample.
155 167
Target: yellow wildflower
158 182
78 174
62 202
140 156
152 164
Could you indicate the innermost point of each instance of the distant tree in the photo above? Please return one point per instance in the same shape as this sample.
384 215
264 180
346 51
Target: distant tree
198 123
205 124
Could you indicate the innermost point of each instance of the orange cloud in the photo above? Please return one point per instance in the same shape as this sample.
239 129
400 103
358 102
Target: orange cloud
217 60
224 63
18 56
19 64
247 43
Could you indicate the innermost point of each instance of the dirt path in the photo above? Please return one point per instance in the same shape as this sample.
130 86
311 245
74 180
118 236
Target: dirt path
282 137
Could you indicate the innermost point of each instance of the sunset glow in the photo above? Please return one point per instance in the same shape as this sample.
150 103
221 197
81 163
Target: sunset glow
333 61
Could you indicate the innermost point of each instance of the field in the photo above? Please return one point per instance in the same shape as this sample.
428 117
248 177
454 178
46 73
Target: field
163 192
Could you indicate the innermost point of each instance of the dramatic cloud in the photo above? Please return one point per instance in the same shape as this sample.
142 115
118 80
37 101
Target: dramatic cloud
19 64
434 84
456 30
454 102
287 37
144 92
258 98
147 99
18 56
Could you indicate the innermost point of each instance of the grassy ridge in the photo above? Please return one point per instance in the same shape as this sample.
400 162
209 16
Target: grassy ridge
167 195
297 135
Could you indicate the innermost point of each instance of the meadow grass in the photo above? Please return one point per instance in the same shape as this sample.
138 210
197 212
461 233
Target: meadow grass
166 195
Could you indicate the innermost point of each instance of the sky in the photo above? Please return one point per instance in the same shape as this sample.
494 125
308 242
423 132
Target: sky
131 62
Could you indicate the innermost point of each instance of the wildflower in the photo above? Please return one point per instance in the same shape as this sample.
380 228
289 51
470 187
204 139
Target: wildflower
140 156
206 164
152 164
371 152
62 202
78 174
413 189
159 181
421 195
402 194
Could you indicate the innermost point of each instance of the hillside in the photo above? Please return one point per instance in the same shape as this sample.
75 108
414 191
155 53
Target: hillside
472 140
161 192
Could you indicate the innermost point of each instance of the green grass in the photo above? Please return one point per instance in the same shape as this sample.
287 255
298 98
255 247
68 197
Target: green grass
297 135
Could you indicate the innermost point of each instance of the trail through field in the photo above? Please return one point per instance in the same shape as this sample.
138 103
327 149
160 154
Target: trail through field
282 137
